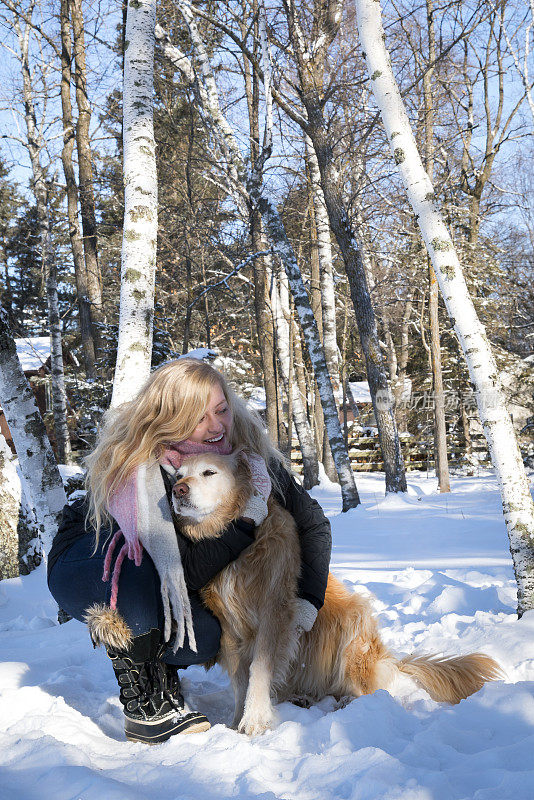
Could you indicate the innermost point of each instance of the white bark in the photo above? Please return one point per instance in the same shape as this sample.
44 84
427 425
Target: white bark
279 294
42 480
516 498
59 393
324 248
209 98
134 350
19 545
10 497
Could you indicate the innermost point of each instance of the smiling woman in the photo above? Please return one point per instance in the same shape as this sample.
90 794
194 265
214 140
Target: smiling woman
125 529
216 425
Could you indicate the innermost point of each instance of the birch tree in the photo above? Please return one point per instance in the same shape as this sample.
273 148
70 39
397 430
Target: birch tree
134 349
310 57
37 463
9 513
279 294
20 550
518 506
324 249
326 311
440 431
264 322
80 273
85 172
520 47
34 144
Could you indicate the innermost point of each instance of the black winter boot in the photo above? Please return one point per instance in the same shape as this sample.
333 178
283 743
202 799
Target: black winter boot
154 708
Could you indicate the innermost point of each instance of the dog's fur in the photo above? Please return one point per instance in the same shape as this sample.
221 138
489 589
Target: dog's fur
254 599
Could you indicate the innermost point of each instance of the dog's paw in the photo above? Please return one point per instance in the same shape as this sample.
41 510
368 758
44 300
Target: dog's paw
341 702
234 725
253 725
301 700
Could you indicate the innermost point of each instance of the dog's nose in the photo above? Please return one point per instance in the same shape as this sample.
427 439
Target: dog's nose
180 489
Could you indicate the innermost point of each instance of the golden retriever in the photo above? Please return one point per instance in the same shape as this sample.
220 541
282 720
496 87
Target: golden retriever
254 599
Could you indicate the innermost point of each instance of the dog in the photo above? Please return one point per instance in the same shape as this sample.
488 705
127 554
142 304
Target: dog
254 599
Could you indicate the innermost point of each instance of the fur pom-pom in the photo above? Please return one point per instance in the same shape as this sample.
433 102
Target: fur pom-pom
108 628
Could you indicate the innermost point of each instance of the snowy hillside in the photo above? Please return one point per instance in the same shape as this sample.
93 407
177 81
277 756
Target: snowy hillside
439 569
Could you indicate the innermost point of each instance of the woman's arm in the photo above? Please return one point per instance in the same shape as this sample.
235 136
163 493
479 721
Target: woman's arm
204 559
314 535
201 561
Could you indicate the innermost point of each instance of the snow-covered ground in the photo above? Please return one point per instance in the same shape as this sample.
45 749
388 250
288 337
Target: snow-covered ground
439 569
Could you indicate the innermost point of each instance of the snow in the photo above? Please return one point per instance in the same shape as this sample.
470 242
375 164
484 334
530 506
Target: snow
33 352
439 569
69 471
360 391
201 353
257 401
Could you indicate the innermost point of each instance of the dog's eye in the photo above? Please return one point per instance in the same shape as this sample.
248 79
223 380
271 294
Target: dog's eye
208 472
178 476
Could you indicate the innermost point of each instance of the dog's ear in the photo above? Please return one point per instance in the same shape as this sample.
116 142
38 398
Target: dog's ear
242 466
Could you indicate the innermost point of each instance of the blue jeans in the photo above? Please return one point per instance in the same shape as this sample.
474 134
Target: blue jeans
75 582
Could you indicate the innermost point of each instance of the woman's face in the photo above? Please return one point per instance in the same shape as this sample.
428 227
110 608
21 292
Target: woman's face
216 424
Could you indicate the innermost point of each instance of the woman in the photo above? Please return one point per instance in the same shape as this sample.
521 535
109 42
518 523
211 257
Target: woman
130 597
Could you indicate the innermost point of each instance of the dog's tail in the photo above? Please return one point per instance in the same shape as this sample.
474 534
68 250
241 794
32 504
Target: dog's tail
451 679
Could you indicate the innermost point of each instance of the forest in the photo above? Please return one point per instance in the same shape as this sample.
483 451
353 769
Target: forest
331 202
322 196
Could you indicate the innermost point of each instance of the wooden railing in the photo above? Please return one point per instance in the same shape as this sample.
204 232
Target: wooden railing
366 456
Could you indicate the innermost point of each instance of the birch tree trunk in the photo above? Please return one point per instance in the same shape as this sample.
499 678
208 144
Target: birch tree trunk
282 245
319 430
440 429
36 458
19 542
85 172
324 249
10 503
311 59
282 318
264 322
134 350
324 307
35 145
518 506
59 394
84 307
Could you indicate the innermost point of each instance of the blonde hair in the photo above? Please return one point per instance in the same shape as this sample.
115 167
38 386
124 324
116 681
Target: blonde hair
168 408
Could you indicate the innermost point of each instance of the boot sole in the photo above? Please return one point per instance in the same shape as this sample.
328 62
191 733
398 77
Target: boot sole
141 731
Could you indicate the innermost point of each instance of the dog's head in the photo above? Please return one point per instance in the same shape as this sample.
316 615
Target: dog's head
209 492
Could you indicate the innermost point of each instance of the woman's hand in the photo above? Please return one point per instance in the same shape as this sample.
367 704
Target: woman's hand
256 508
306 615
260 474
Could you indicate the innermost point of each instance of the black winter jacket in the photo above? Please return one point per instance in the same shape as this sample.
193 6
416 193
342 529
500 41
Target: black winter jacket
204 559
